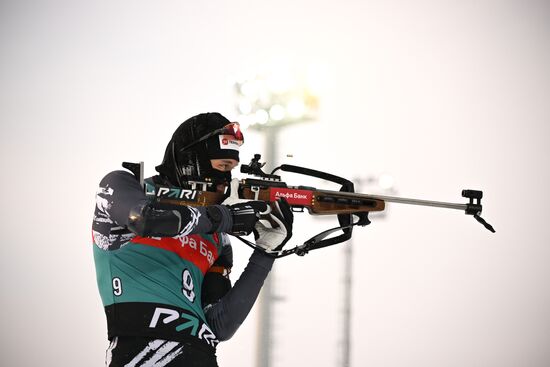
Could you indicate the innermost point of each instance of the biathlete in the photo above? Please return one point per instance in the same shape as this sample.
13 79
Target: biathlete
163 271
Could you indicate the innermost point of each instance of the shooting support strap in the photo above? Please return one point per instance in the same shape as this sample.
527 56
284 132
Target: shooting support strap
319 241
314 243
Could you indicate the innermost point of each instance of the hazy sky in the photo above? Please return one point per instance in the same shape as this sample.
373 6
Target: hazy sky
442 95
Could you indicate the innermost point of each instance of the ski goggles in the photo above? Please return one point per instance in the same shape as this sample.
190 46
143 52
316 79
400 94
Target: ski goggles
230 133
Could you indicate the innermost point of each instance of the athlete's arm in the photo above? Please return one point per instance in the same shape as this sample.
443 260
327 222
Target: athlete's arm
127 205
226 315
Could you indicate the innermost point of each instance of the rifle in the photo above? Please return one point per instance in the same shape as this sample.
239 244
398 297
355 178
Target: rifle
351 208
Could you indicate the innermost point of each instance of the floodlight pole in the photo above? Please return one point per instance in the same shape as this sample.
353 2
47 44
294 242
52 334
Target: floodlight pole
348 279
266 298
346 327
271 110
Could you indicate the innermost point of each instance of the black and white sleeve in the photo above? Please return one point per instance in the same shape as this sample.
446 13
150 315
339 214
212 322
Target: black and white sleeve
124 202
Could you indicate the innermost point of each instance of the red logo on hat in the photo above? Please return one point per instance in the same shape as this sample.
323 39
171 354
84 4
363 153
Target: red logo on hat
224 141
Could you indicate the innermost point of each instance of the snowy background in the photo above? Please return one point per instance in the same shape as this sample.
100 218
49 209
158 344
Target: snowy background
442 95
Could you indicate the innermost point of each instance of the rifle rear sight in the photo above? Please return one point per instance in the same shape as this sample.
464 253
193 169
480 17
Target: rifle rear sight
255 168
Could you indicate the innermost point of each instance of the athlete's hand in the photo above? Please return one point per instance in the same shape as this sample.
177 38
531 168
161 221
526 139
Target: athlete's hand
245 213
272 238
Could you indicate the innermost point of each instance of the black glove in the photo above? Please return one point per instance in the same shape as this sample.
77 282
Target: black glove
245 215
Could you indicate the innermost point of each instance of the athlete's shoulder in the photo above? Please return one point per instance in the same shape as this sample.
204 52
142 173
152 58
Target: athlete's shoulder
120 184
115 177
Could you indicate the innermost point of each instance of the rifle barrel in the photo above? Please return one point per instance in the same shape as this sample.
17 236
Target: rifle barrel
438 204
400 200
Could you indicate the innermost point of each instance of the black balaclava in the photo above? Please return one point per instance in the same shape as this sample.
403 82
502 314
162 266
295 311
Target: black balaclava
194 163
